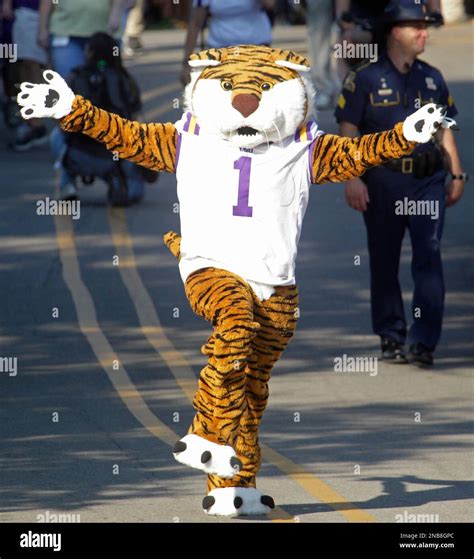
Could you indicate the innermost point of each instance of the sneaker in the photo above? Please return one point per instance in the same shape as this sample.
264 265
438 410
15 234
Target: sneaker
392 351
132 46
420 355
135 44
29 136
68 192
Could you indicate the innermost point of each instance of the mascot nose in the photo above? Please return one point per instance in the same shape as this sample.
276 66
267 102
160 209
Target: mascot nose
245 103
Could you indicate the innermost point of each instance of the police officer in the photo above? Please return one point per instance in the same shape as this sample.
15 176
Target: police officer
408 193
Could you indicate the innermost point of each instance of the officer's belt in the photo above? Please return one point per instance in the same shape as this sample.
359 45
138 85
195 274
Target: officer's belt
422 165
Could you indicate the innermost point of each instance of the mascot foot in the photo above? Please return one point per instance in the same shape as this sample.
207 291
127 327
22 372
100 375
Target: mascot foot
237 501
206 456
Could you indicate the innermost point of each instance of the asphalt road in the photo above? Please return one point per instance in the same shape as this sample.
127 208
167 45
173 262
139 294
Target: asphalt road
108 355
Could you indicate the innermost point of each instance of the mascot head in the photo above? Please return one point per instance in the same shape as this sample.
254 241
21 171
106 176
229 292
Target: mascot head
249 95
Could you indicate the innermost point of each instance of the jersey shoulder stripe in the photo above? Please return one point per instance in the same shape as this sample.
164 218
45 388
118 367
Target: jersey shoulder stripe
188 124
307 133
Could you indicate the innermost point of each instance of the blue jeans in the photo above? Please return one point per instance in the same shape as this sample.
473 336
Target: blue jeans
58 148
65 59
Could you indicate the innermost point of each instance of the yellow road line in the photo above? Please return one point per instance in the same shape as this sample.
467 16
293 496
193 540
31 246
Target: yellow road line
89 326
144 306
154 332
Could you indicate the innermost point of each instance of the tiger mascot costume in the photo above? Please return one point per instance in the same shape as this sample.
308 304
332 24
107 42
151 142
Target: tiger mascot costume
245 154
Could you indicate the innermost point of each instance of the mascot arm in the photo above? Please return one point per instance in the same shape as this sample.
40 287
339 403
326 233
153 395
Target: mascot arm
336 159
149 145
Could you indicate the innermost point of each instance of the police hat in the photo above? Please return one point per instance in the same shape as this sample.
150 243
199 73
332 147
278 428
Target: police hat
398 11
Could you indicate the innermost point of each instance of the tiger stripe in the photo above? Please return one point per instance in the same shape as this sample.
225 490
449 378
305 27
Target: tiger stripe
150 145
335 159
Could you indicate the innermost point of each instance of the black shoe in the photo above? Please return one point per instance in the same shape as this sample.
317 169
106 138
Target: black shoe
420 355
392 351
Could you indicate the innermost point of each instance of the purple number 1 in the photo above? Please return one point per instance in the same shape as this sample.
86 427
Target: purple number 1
243 209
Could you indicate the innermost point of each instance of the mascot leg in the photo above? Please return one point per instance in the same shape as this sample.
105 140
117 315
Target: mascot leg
239 496
226 301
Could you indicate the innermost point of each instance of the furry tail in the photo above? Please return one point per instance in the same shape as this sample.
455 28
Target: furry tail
173 242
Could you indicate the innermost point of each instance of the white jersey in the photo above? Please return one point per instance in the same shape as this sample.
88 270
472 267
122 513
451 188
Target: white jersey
242 209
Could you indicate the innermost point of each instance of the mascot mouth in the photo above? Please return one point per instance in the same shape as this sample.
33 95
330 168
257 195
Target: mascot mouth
246 131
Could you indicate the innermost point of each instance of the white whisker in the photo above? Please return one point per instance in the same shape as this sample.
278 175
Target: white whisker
266 138
280 141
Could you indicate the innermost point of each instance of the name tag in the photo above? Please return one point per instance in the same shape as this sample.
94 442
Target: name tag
384 98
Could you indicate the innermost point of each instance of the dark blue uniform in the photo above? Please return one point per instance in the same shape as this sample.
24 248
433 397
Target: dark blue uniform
376 96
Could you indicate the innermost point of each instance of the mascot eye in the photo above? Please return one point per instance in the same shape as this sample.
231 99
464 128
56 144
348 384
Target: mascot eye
226 85
265 86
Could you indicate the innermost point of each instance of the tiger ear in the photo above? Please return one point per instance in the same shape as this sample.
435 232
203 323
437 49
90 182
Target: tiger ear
210 57
292 60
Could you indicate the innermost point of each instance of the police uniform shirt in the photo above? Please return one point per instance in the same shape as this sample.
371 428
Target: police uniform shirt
375 96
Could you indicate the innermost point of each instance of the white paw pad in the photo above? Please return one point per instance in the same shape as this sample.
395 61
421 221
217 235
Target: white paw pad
206 456
52 99
237 501
425 122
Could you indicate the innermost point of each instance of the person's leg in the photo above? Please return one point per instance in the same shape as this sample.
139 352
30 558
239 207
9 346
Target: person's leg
135 182
135 22
385 232
319 16
65 57
58 149
226 301
426 233
277 319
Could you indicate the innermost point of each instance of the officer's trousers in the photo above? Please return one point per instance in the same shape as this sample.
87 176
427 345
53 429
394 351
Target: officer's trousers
398 202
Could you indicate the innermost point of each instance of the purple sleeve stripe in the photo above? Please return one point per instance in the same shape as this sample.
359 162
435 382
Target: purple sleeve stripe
188 122
196 129
309 135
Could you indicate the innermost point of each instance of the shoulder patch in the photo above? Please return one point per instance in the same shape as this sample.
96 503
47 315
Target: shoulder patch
341 102
349 83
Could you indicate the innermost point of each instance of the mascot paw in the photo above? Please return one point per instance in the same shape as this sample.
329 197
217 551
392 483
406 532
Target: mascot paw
425 122
206 456
237 501
50 100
